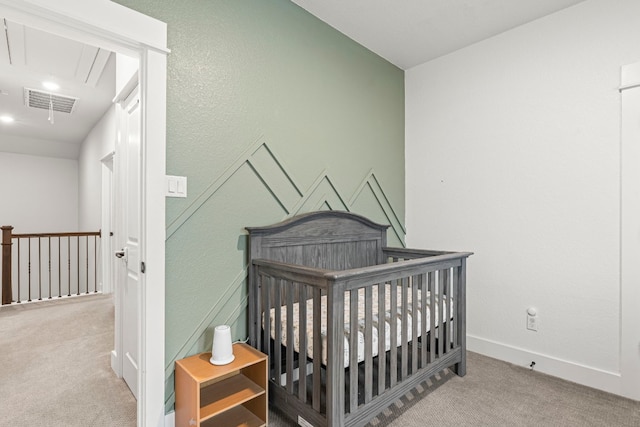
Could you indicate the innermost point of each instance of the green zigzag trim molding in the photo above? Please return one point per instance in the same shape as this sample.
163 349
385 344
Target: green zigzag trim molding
264 167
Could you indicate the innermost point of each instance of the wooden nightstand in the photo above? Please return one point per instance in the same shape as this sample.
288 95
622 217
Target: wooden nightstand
229 395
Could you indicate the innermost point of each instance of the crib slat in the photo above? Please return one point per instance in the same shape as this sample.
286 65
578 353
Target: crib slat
461 310
440 312
290 340
277 356
302 339
254 303
432 316
449 309
353 350
446 312
444 320
368 344
382 354
317 348
404 307
454 322
335 390
414 324
393 321
257 327
267 283
423 321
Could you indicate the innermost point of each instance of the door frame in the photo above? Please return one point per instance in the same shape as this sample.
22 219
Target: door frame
114 27
106 221
629 231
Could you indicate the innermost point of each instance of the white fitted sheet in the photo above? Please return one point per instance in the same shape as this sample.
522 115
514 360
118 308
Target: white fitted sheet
361 322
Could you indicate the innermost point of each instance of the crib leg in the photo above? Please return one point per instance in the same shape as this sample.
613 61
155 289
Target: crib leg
460 368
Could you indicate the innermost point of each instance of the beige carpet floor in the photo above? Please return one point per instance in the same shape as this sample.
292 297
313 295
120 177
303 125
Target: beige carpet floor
496 394
55 367
55 371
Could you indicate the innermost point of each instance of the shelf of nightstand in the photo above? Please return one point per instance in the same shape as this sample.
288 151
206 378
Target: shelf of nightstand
227 393
238 416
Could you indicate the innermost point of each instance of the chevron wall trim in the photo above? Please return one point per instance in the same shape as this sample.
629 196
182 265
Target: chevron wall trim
270 170
373 184
322 194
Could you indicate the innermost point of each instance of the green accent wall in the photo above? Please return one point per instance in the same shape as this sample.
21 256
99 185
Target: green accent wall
270 112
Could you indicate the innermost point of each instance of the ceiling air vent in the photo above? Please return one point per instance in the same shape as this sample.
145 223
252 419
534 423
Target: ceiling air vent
39 99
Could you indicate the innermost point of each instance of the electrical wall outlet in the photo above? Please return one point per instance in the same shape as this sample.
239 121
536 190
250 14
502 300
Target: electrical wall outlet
532 319
532 322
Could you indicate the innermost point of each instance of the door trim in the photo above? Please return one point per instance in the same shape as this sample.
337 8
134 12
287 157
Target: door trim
106 228
114 27
629 231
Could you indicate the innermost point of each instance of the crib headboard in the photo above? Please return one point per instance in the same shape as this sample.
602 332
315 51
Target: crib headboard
331 240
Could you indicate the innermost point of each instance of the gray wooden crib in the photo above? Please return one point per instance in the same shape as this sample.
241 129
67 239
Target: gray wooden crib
349 324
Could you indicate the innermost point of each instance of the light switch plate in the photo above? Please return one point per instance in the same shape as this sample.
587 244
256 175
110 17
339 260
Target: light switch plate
176 186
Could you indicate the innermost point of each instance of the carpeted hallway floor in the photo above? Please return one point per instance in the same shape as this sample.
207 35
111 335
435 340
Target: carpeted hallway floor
55 367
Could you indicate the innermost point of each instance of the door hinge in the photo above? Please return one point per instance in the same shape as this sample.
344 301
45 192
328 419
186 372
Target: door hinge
142 267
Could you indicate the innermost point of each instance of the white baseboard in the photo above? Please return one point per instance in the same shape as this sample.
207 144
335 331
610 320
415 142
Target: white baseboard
170 419
570 371
114 363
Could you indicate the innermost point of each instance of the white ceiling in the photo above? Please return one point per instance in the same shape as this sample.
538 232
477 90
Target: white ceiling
410 32
28 57
406 33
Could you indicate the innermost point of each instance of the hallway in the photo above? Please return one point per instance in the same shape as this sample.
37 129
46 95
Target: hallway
55 365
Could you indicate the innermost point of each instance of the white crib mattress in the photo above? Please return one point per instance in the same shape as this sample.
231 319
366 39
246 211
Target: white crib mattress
361 323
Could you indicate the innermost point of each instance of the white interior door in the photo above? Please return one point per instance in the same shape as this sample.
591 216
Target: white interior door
128 266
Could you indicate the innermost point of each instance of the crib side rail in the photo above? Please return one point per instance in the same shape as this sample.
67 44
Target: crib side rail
298 273
422 303
408 253
397 269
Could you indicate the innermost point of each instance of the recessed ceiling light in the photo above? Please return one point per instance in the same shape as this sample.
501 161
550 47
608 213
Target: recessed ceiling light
6 119
51 85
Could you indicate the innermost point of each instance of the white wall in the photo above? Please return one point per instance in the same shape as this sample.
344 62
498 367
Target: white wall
99 142
513 152
39 194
